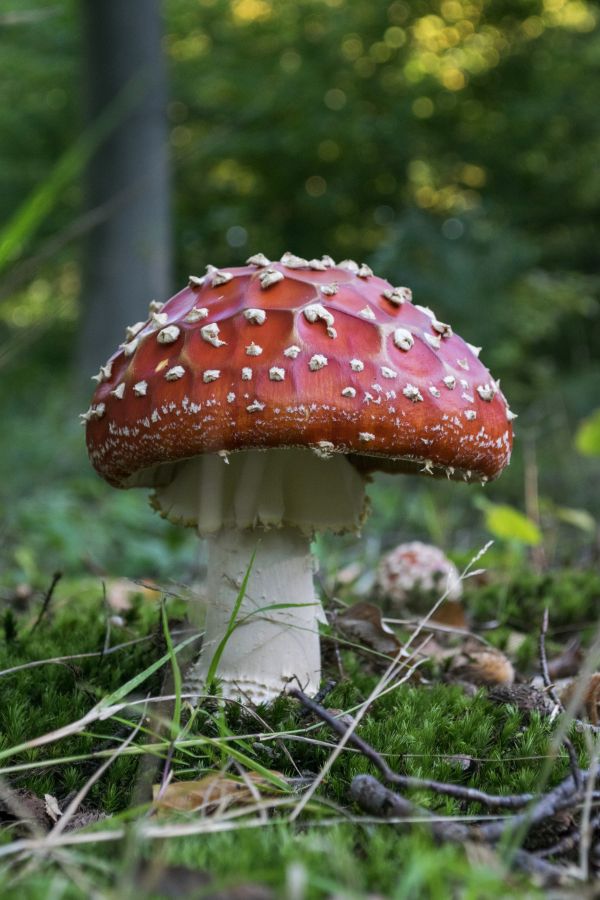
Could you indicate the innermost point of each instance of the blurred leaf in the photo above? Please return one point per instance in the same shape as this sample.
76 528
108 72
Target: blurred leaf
587 439
363 623
583 694
509 524
53 810
451 613
578 518
210 794
482 665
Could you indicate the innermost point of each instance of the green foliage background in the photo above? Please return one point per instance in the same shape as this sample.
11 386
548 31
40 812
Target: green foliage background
453 145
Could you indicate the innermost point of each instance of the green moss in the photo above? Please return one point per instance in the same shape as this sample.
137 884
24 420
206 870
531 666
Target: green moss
346 860
343 860
420 727
571 595
37 700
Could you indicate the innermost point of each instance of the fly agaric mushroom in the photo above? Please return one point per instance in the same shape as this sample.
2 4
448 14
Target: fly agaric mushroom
416 571
254 402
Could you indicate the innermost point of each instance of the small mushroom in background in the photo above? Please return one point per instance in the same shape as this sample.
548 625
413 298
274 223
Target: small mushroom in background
256 402
414 576
413 569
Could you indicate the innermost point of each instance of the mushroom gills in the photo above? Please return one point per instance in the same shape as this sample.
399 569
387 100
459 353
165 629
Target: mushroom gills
264 488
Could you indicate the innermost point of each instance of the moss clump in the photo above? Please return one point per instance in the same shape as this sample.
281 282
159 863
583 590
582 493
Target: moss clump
37 700
571 595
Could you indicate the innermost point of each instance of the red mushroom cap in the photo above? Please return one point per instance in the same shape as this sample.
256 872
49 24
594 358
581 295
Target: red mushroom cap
296 354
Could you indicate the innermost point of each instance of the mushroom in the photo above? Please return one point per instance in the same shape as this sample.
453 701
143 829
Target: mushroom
260 450
413 572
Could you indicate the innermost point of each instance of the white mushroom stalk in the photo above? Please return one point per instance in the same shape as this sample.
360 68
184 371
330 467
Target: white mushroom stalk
263 506
275 636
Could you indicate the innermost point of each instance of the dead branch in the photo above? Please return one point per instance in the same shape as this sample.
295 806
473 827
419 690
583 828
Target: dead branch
47 600
465 794
569 842
378 800
544 663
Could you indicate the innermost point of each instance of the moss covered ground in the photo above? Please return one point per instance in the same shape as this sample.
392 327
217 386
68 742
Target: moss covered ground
428 729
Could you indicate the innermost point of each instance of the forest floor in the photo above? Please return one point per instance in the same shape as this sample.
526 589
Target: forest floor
263 803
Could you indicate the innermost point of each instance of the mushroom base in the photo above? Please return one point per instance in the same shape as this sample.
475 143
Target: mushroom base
275 638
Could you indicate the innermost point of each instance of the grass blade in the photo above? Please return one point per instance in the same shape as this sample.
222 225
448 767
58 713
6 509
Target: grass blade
232 625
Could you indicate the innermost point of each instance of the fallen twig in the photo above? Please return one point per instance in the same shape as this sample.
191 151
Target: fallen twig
390 680
466 794
375 798
47 600
544 663
567 794
569 842
573 762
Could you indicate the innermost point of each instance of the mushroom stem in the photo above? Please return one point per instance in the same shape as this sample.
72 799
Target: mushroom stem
275 638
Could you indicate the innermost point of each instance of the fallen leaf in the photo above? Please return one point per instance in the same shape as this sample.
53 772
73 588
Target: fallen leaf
482 665
589 704
211 793
53 810
451 613
363 624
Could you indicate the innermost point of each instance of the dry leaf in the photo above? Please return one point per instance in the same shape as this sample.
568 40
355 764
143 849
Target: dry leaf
460 761
451 613
363 624
53 810
590 697
211 793
482 665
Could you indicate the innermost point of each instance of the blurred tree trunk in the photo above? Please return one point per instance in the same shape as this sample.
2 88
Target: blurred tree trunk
128 255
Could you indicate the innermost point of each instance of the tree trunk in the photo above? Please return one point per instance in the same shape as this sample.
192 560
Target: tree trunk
128 255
